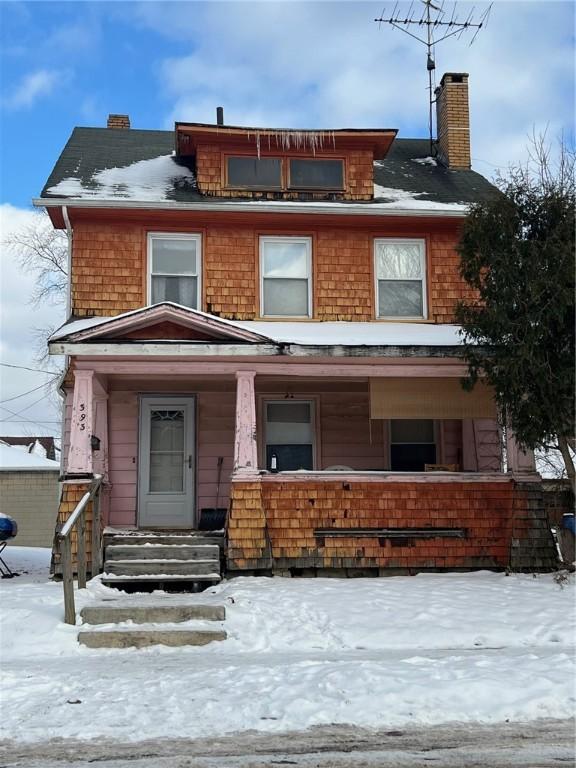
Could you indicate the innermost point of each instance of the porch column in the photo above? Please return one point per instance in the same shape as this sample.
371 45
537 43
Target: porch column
80 452
519 461
100 458
245 445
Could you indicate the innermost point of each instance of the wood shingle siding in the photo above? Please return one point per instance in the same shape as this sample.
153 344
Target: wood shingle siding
109 269
272 525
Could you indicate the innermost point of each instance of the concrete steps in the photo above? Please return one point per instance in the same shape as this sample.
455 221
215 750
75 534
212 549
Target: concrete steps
109 612
142 621
143 638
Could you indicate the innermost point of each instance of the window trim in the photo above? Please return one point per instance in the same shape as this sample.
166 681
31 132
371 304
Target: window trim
196 237
424 280
265 400
293 187
286 239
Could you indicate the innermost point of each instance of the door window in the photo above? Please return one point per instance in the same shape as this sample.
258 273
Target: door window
167 446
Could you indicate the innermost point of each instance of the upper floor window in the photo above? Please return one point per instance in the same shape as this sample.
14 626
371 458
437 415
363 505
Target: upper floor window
254 172
316 174
400 268
285 282
285 173
174 269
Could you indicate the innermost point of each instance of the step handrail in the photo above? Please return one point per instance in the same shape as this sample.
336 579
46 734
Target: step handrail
64 538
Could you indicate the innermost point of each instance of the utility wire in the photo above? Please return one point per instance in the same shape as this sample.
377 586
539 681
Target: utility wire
36 370
16 397
17 413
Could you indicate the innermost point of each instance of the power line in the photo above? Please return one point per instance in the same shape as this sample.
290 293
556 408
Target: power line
36 370
16 397
18 413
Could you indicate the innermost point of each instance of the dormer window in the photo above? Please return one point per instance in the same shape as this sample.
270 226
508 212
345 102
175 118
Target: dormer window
254 172
316 174
174 269
285 173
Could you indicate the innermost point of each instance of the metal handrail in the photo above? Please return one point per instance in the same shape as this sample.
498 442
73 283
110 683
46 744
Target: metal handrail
76 519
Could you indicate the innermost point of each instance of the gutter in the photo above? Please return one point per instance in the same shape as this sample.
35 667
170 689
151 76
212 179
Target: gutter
339 209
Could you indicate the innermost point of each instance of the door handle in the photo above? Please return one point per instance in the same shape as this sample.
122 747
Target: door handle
190 462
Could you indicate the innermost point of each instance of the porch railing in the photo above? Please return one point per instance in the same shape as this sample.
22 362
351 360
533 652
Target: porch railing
78 520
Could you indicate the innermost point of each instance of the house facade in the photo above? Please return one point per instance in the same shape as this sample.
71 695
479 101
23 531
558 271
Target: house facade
262 321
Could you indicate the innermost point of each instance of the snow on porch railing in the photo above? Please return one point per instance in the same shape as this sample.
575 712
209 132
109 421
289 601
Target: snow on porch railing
77 519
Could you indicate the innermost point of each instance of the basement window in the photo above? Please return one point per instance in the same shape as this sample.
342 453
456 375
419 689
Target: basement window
400 269
316 174
285 283
254 172
174 269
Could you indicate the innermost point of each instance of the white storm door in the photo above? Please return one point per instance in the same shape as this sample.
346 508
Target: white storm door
166 487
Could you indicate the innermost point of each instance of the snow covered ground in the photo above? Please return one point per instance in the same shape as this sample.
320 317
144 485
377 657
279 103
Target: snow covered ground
372 652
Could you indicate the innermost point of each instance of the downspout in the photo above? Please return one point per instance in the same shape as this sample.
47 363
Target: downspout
61 390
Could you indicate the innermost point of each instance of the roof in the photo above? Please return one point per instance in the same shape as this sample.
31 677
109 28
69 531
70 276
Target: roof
120 165
342 333
29 443
17 460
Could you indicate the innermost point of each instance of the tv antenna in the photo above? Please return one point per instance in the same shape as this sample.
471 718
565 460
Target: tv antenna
432 21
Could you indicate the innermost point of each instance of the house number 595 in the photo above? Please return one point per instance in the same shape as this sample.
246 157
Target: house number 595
82 408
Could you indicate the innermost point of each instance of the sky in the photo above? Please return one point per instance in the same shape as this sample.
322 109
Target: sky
290 63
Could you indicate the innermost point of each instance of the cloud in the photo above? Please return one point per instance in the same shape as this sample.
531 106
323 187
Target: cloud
34 86
18 323
317 64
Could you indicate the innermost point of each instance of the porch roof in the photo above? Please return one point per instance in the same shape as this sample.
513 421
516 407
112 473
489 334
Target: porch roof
307 336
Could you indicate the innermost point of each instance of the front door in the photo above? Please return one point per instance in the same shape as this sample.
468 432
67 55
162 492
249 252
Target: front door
166 487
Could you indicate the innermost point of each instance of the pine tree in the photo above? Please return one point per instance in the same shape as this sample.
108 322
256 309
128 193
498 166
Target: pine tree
518 251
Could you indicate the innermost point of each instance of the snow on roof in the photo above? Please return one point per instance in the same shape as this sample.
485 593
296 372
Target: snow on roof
149 180
358 334
400 198
13 459
318 334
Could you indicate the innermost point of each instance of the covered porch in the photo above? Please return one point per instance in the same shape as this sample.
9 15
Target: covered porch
310 476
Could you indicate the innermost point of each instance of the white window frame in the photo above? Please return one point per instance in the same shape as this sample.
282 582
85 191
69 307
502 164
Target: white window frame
286 239
312 402
401 241
175 236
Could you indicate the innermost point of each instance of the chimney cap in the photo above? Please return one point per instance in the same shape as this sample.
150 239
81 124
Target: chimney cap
118 121
454 77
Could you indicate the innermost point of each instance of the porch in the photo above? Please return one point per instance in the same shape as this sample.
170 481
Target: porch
310 478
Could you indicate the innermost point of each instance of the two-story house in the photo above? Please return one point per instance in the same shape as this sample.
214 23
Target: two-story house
262 321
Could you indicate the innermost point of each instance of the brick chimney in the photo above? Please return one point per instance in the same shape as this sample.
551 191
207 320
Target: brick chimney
453 120
118 121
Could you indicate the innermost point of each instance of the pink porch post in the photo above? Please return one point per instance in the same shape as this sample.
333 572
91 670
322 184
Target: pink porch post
80 452
245 445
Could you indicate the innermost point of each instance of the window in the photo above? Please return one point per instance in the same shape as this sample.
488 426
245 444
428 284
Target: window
412 444
285 276
174 269
254 172
289 434
316 174
400 278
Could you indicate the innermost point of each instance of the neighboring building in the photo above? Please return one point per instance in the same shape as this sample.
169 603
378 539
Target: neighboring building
40 446
29 493
248 300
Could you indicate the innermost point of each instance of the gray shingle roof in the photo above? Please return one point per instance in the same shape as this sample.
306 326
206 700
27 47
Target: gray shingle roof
90 151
